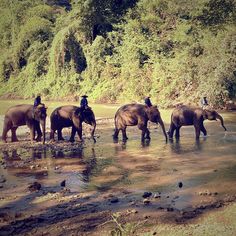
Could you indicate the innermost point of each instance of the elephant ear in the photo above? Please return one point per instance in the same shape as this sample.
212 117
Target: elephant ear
204 114
78 111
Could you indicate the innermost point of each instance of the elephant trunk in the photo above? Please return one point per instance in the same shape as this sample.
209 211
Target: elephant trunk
221 120
43 124
163 128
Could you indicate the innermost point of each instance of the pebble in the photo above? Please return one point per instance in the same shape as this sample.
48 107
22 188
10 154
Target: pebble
157 196
146 201
180 184
34 187
114 200
63 183
147 194
2 179
169 209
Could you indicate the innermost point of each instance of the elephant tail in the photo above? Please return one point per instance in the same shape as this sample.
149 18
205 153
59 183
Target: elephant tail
115 121
6 126
118 120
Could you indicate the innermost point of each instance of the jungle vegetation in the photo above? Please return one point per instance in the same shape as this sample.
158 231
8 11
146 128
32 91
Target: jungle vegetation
119 50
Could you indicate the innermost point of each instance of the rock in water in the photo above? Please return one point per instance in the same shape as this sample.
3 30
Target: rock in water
34 187
63 183
147 194
114 200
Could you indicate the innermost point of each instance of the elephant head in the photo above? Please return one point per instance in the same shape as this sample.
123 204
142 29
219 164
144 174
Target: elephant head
213 115
155 117
40 114
87 116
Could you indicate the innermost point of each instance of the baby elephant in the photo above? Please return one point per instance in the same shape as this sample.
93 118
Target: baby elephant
137 114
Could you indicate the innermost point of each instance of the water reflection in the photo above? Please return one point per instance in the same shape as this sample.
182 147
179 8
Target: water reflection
180 147
145 143
38 154
11 155
46 163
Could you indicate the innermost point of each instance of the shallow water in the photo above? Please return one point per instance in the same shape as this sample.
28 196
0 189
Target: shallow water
206 167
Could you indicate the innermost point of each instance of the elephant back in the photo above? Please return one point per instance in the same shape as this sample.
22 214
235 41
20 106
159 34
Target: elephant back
62 116
65 112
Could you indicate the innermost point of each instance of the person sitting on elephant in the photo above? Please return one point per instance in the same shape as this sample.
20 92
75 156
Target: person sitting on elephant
84 102
147 101
204 102
37 101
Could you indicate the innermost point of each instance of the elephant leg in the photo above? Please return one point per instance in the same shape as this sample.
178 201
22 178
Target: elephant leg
145 130
31 126
147 135
197 131
116 133
39 132
73 132
171 130
13 134
203 129
52 133
143 135
4 134
59 134
79 132
177 135
124 135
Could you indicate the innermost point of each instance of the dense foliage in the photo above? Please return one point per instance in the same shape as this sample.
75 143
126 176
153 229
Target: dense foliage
119 50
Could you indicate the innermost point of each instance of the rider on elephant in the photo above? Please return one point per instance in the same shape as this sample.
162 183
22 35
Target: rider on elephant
37 101
84 102
204 102
147 101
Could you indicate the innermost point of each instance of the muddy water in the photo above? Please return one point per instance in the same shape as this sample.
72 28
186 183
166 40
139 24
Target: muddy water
181 174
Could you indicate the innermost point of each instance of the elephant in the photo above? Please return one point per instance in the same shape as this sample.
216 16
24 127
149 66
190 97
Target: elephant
25 114
185 116
137 114
71 116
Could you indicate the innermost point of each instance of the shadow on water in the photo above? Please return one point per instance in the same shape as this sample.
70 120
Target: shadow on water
179 147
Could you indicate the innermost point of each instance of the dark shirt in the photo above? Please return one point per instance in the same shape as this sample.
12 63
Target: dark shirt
147 101
37 101
204 102
83 102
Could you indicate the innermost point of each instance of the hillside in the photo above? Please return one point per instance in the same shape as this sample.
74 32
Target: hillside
119 51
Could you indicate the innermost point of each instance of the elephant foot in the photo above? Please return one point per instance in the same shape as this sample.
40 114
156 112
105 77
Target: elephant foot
15 140
61 139
72 140
94 140
115 136
38 139
124 139
4 140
